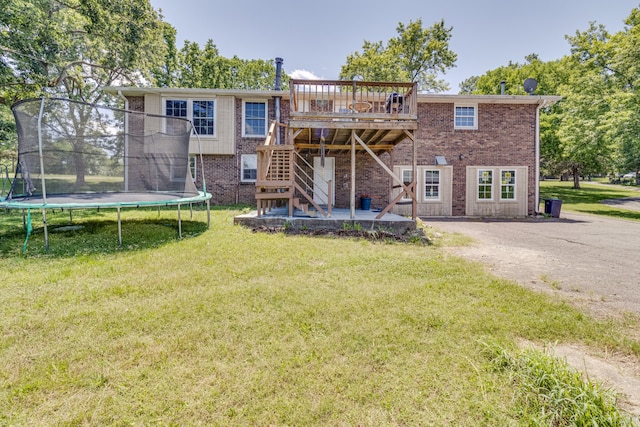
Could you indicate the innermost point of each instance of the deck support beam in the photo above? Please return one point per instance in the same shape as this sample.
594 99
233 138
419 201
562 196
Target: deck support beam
409 189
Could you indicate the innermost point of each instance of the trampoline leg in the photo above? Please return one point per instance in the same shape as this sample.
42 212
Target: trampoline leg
179 224
119 228
191 210
70 217
208 215
46 232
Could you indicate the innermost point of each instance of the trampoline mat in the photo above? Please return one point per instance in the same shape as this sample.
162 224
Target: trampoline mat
93 200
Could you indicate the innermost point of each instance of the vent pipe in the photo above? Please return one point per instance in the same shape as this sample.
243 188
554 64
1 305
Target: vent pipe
279 62
502 84
278 87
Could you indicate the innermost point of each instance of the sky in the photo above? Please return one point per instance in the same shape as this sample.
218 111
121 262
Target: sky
315 38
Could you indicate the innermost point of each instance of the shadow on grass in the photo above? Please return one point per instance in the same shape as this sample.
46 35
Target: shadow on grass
613 213
94 234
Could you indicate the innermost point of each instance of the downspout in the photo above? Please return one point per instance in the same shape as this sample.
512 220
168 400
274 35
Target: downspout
537 144
278 87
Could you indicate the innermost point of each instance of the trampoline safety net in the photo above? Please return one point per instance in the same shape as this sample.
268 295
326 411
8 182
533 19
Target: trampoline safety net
71 152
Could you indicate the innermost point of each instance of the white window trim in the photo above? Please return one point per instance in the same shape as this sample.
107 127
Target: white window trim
492 185
190 111
244 117
424 185
515 184
242 156
475 117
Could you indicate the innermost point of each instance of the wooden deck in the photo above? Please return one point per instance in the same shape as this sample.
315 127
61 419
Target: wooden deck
328 117
328 112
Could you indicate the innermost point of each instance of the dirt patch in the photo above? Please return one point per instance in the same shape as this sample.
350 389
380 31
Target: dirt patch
415 236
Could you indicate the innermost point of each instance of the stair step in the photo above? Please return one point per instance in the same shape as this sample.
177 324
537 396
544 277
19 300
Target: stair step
272 195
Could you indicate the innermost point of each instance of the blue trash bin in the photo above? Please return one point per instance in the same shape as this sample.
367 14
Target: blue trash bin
552 207
365 203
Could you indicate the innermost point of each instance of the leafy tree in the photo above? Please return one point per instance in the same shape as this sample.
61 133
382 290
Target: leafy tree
205 68
417 54
73 48
616 57
584 146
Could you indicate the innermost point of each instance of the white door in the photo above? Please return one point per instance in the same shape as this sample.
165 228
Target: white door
321 178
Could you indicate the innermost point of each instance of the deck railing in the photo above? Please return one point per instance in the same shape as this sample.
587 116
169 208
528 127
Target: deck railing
340 97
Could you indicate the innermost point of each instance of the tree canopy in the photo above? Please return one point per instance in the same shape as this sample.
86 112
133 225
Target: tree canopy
417 54
596 128
73 48
195 67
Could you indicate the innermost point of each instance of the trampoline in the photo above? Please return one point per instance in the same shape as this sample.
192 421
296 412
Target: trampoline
74 155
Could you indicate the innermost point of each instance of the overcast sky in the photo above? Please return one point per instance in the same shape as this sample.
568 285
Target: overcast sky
316 37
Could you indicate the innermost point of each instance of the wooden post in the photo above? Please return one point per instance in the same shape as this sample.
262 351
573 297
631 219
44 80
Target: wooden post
353 174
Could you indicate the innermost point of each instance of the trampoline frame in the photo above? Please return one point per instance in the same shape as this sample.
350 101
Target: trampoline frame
26 203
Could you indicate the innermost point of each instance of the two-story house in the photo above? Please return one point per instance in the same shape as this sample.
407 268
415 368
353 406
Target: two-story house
333 141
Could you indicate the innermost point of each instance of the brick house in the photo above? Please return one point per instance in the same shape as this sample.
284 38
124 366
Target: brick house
471 155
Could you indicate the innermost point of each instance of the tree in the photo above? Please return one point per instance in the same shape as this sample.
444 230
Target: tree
73 48
417 54
205 68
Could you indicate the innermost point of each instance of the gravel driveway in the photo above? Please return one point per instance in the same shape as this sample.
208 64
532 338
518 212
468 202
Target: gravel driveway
592 260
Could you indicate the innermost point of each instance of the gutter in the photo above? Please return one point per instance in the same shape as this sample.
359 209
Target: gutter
541 104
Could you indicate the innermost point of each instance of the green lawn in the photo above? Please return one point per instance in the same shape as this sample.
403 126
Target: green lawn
588 198
231 327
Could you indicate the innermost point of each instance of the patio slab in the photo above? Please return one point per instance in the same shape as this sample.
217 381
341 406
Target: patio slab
339 219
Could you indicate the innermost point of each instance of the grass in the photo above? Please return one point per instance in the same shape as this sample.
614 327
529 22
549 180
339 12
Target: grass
231 327
588 199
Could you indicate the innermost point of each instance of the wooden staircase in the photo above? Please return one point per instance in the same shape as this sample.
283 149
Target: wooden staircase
276 178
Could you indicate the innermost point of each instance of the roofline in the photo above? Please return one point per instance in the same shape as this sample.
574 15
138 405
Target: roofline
489 99
544 100
139 91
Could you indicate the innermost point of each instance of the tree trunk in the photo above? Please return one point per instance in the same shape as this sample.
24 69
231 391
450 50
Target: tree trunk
576 177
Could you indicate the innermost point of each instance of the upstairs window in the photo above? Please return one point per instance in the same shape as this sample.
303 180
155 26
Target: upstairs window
200 112
203 117
254 121
466 117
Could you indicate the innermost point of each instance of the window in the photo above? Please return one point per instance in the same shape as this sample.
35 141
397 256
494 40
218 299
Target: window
508 185
203 116
465 117
255 119
485 184
249 168
201 113
432 184
175 108
407 179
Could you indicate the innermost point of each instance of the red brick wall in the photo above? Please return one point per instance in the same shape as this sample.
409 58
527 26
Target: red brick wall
505 137
223 172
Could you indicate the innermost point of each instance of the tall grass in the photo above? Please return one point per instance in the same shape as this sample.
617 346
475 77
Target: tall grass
550 392
231 327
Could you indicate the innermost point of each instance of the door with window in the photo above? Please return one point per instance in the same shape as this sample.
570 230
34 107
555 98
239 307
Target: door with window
322 175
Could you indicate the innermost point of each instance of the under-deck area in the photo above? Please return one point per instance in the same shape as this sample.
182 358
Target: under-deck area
335 118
